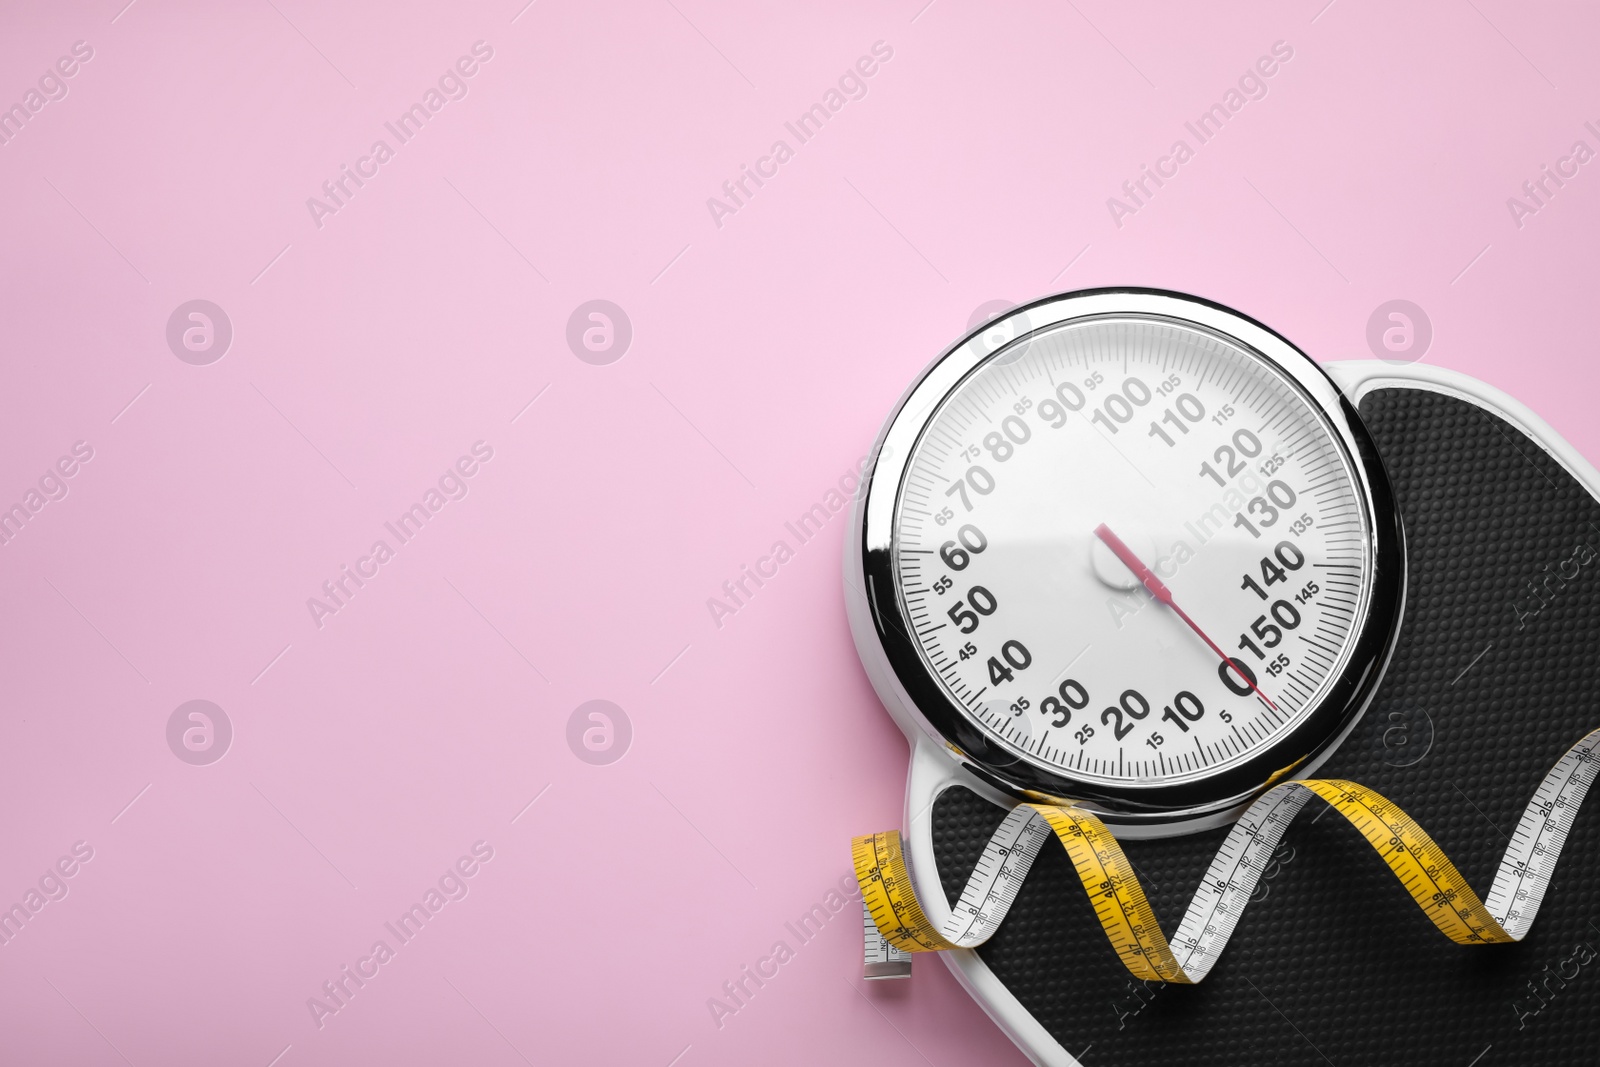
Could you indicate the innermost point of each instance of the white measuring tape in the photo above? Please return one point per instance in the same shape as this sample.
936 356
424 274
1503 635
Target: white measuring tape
895 923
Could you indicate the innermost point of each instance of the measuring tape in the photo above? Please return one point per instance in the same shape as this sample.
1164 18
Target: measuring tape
895 924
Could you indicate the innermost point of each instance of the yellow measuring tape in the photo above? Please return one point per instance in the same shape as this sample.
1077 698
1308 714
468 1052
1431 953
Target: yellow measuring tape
895 922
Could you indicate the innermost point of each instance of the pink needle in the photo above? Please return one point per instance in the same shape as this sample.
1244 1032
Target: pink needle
1159 590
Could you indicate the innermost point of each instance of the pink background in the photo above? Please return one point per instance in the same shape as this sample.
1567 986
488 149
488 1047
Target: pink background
368 354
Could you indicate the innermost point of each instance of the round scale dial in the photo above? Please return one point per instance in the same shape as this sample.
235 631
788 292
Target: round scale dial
1055 478
1130 548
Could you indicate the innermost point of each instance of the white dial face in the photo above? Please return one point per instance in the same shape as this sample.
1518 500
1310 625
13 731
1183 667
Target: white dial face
1087 528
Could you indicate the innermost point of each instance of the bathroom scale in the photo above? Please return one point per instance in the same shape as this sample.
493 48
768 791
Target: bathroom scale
1251 699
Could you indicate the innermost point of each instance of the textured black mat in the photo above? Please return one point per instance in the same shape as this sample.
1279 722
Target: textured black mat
1496 673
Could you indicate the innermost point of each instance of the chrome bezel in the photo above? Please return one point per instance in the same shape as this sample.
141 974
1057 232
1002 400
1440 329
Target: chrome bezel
921 704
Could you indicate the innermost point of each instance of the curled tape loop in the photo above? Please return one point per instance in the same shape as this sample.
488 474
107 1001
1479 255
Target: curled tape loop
896 920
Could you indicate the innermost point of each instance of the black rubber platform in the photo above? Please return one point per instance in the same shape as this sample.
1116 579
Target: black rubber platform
1497 672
